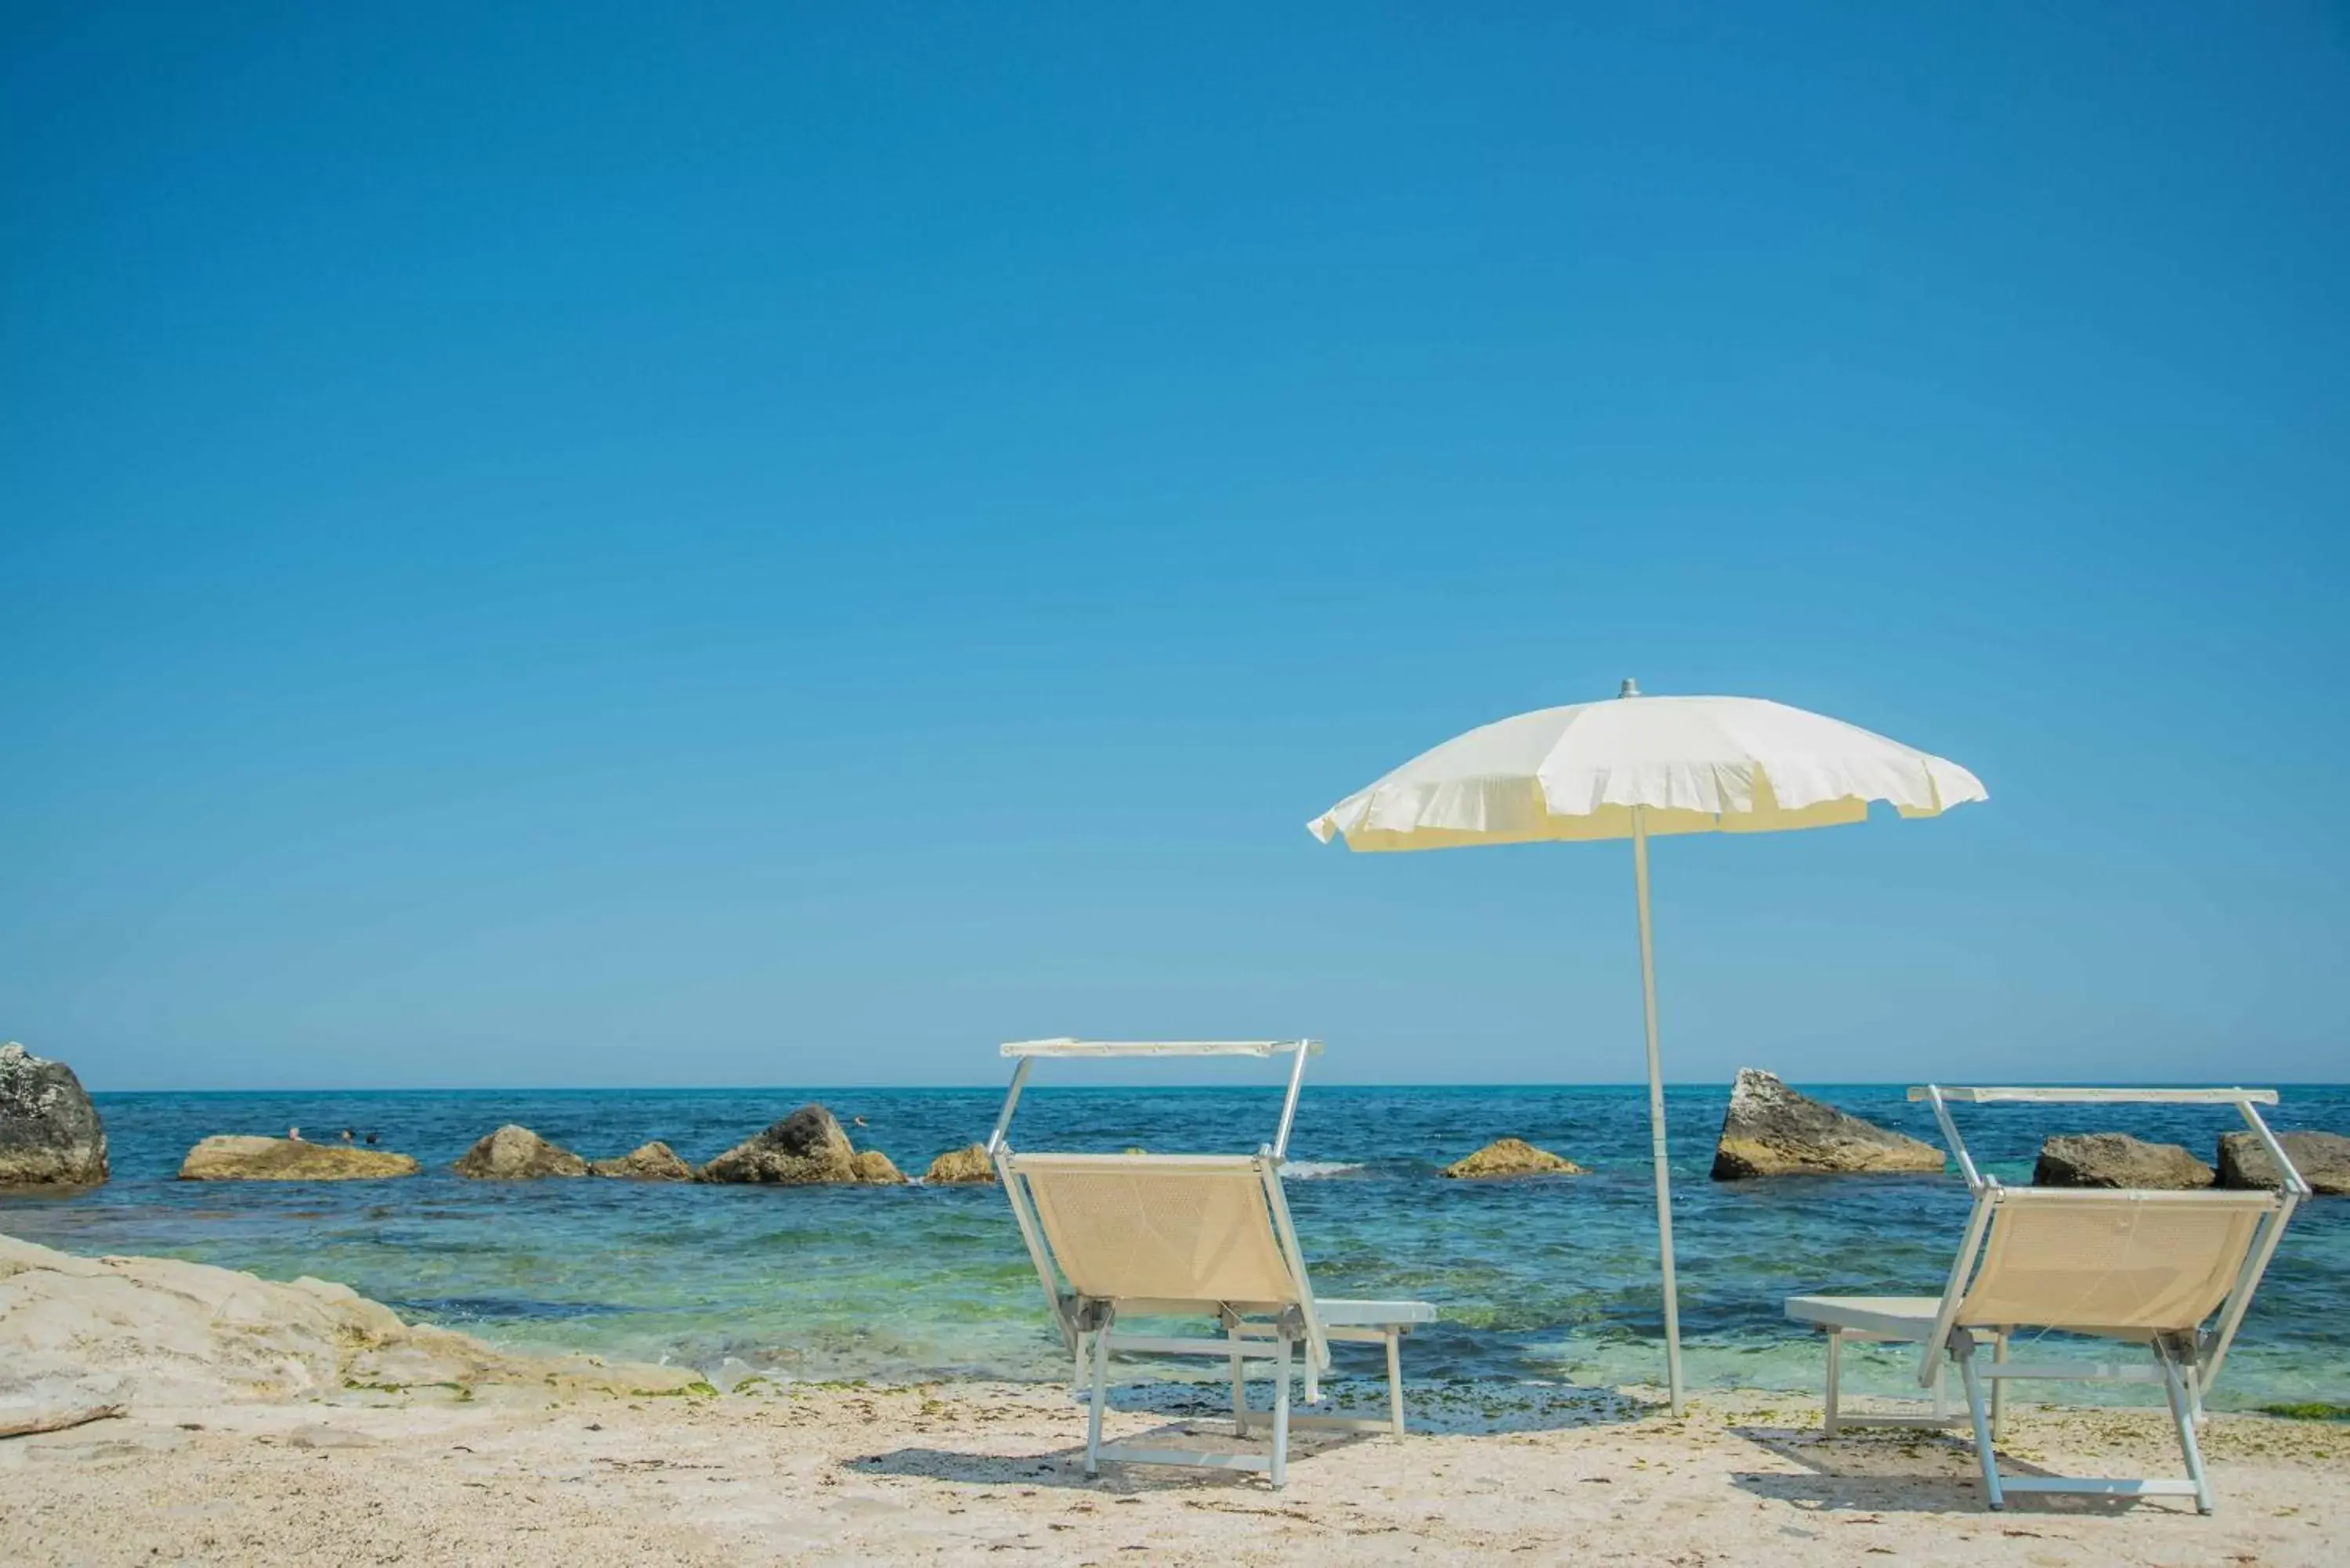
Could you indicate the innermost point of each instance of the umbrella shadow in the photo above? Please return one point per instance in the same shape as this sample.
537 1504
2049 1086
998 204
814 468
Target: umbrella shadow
1065 1466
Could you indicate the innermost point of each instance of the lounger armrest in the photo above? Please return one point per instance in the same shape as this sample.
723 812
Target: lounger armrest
1371 1314
1903 1319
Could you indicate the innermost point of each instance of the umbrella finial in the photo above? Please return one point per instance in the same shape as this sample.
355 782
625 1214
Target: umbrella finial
1630 687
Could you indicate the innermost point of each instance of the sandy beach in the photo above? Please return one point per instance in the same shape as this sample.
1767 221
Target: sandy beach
208 1416
947 1473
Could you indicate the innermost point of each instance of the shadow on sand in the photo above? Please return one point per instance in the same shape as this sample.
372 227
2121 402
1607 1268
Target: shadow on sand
1893 1471
1197 1416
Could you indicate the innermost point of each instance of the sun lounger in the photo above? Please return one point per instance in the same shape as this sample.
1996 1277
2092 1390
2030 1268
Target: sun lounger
1127 1236
2173 1272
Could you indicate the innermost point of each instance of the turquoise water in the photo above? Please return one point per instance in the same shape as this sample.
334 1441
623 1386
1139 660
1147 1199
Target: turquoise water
1550 1280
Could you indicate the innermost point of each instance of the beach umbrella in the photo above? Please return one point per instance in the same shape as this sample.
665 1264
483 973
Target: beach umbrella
1636 768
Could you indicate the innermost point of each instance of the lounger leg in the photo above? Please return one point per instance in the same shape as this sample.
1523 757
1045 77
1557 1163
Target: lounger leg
1983 1447
1395 1377
1240 1397
2174 1388
1279 1472
1100 1398
1997 1388
1941 1389
1835 1374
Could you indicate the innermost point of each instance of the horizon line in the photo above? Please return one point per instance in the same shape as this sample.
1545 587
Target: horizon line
1269 1084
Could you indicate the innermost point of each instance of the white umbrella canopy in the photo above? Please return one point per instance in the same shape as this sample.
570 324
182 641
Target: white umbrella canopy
1689 764
1636 767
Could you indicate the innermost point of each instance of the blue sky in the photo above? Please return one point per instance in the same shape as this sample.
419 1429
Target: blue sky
595 545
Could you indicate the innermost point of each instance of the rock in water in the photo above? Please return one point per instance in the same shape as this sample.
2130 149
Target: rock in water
226 1157
804 1148
1770 1130
517 1154
1513 1157
49 1132
874 1168
654 1161
2116 1159
2322 1157
969 1163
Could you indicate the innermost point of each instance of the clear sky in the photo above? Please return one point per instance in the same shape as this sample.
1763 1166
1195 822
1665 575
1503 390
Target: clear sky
744 545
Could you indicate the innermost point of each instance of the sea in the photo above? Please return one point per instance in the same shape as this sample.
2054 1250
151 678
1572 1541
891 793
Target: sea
1549 1282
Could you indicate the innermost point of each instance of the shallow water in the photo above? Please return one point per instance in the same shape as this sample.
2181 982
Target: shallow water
1546 1281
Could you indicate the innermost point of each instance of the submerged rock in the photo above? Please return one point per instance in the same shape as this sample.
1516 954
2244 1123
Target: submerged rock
969 1163
873 1167
2322 1157
2116 1159
226 1157
49 1132
517 1154
1771 1130
160 1333
1513 1157
654 1161
804 1148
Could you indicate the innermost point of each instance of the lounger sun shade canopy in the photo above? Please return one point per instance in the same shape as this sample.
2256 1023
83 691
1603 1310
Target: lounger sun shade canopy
1099 1048
1635 768
2037 1095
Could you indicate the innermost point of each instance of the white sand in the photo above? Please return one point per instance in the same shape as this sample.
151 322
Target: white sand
299 1423
963 1473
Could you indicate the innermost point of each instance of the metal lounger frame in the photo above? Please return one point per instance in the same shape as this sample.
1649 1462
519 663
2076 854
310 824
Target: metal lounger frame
2185 1368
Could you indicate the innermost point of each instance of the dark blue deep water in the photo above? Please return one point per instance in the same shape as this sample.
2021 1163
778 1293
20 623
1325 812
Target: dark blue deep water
1551 1281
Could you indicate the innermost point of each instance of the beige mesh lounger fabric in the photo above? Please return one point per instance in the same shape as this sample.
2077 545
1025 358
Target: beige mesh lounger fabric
2173 1272
1158 1235
1171 1225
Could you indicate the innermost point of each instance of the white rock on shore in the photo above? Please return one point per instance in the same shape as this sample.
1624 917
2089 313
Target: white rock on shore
81 1331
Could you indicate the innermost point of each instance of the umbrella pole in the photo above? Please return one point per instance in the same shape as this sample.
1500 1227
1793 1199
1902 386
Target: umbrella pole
1656 1114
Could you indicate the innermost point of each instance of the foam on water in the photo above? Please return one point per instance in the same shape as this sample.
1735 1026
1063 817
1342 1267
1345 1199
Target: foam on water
1550 1282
